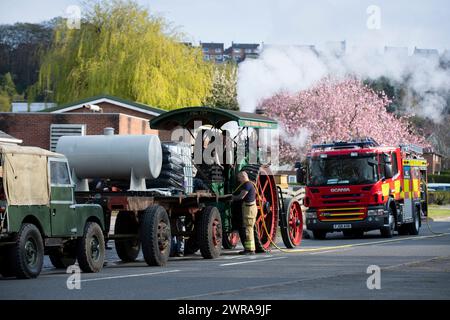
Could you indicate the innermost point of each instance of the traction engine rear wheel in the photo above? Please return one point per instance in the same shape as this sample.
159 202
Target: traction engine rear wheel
267 203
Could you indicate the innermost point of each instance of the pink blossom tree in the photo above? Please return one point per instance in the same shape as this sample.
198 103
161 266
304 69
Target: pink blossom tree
335 110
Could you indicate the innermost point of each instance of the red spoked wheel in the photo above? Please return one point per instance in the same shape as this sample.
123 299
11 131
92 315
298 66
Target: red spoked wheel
230 239
293 233
267 204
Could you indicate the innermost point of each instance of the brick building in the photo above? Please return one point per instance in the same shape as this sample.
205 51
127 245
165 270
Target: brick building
43 129
212 51
239 51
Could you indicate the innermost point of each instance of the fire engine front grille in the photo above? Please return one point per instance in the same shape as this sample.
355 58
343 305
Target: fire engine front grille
339 198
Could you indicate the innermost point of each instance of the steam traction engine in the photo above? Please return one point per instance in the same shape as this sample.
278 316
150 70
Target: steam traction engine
151 185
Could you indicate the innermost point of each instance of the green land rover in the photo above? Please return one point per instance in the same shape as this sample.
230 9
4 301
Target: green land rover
39 216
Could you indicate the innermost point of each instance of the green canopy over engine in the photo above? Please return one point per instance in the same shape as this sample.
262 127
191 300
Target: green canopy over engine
185 117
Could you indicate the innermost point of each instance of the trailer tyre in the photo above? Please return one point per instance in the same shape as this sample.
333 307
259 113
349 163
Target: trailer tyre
91 248
155 236
25 258
127 249
210 233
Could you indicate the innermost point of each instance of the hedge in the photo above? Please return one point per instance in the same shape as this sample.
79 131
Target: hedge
439 197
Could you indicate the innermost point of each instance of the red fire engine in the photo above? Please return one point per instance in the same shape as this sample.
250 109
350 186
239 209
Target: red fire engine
359 186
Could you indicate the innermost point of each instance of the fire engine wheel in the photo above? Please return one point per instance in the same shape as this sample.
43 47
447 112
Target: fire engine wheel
24 259
267 203
63 257
91 248
155 236
230 239
414 227
127 249
293 233
388 231
210 233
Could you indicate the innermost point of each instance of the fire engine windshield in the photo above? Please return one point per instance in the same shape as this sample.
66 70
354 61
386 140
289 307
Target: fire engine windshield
342 171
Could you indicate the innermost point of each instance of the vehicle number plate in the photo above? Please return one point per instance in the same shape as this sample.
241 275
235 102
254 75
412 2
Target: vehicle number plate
342 226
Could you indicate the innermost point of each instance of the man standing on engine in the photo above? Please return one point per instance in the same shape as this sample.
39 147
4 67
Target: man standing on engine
247 194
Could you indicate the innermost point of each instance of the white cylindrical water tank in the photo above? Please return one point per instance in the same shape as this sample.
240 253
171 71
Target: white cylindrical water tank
113 156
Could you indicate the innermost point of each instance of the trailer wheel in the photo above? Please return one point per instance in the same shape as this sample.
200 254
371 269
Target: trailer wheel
293 233
388 231
267 205
91 248
63 257
24 259
230 239
127 249
155 235
210 233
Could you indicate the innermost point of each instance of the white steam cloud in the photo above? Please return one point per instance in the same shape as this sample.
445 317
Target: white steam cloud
294 68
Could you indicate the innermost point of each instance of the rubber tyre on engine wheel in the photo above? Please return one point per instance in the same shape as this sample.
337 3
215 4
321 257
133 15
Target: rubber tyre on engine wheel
209 234
127 249
91 248
155 235
25 258
319 234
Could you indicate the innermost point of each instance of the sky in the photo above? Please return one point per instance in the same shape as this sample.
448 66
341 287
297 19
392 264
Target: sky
420 23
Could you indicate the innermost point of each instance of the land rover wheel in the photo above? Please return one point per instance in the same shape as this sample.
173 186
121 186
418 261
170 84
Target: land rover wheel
26 256
155 235
91 248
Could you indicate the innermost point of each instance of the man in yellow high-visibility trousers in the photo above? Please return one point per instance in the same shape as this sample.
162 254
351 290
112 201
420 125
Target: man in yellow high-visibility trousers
247 194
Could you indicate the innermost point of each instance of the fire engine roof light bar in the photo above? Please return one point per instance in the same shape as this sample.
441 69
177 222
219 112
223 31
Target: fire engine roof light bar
361 143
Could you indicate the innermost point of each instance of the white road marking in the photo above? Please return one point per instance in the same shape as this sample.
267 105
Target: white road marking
252 261
129 276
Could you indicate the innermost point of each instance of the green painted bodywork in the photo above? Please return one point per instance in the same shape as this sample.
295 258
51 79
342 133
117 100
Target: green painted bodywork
61 218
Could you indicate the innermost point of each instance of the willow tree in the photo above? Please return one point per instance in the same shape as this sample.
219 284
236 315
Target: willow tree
122 50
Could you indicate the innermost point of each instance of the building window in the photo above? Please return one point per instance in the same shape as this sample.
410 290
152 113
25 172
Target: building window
206 57
248 50
218 50
205 49
59 130
237 50
219 57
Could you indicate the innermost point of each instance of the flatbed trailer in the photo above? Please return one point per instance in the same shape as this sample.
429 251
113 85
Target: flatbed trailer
149 220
